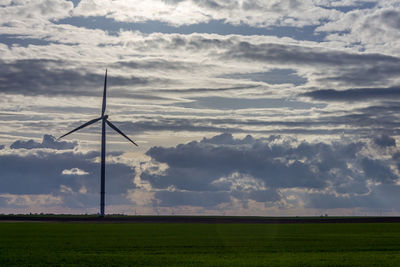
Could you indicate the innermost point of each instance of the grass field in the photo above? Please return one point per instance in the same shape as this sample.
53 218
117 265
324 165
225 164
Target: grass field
111 244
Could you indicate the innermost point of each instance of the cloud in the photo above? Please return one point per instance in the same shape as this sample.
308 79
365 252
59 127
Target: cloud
295 54
41 172
214 58
378 118
35 9
177 13
31 200
384 141
380 198
377 170
242 188
226 103
228 139
176 124
48 141
373 29
340 68
253 73
159 64
218 170
274 76
74 171
197 165
351 95
42 77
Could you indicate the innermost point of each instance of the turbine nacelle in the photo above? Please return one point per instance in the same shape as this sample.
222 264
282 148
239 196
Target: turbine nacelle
105 117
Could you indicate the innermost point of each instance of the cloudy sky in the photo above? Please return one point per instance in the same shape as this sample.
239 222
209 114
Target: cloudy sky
239 107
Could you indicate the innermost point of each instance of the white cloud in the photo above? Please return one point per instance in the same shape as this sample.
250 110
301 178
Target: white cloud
371 30
74 171
239 182
66 189
83 190
141 198
251 12
140 11
28 10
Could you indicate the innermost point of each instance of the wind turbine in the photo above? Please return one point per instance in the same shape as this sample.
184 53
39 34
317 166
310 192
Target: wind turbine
104 121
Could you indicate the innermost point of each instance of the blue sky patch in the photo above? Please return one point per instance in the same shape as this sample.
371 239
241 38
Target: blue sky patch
214 26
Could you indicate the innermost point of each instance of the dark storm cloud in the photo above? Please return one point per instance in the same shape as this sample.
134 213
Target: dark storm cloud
363 75
293 54
351 95
228 139
42 173
347 68
192 43
223 166
381 118
157 124
226 103
206 90
48 77
158 64
339 67
173 124
378 119
48 141
384 141
378 171
241 126
362 123
194 166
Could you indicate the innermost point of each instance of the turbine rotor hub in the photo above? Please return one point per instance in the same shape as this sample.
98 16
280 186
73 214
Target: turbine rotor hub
105 117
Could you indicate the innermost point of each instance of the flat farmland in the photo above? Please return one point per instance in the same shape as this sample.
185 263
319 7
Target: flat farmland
191 244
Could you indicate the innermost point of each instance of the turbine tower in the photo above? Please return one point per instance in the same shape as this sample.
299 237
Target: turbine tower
104 121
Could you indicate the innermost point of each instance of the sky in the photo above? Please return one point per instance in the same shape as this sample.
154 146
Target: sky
239 107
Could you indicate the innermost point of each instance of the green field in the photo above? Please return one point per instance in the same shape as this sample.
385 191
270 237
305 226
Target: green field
111 244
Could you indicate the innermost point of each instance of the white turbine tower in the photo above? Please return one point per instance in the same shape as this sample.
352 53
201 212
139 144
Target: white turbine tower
104 120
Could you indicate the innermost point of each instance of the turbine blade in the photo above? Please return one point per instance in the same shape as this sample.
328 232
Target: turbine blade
80 127
119 131
104 95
